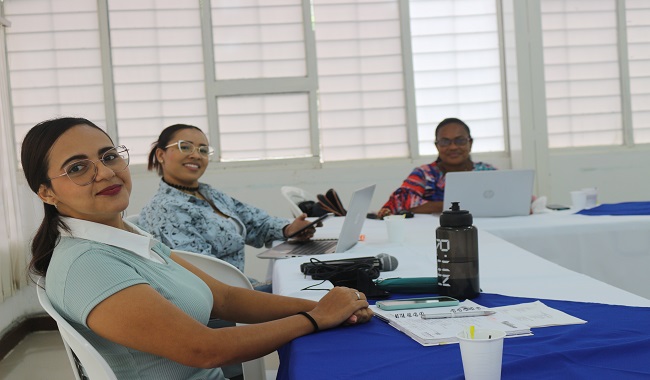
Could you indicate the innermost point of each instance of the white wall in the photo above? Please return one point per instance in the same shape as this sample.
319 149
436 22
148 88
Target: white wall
620 174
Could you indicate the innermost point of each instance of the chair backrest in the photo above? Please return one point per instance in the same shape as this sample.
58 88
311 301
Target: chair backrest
295 195
86 362
228 274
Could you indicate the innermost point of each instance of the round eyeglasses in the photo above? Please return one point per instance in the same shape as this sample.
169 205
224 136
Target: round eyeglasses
188 148
84 172
458 141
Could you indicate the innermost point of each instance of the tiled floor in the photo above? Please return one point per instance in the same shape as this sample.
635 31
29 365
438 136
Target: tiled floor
41 356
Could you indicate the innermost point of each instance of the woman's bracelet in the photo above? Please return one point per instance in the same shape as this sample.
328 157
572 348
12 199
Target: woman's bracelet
311 319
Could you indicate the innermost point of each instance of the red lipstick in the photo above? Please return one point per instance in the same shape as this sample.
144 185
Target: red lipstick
111 190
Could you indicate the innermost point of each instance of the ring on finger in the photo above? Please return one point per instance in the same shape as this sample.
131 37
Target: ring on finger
358 295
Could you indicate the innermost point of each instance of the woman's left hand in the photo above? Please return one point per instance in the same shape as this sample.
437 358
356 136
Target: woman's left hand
299 223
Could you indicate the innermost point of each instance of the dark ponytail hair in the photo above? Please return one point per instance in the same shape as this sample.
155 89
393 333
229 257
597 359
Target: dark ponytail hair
34 156
163 140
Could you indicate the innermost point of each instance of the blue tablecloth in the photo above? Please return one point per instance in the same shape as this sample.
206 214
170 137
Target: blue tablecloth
614 344
625 208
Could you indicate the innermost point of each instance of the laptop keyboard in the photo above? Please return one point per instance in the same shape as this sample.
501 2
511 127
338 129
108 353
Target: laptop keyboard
314 247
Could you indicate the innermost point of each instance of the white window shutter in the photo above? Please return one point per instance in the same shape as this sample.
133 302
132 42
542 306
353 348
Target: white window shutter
255 42
158 72
360 77
263 39
581 72
457 70
638 49
264 126
54 62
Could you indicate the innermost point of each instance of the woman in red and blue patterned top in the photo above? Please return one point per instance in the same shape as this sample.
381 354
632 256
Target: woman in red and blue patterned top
423 191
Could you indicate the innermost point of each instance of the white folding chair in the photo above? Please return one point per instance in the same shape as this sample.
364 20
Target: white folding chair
228 274
295 195
86 362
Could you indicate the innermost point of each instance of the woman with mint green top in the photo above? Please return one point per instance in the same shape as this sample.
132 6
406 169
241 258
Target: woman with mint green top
142 307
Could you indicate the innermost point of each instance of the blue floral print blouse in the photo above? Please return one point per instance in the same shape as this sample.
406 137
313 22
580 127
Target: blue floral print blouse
185 222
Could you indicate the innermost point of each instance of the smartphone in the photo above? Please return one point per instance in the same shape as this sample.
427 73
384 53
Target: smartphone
320 218
557 207
417 303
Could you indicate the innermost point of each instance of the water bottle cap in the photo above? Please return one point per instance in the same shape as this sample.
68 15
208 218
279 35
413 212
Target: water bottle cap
455 217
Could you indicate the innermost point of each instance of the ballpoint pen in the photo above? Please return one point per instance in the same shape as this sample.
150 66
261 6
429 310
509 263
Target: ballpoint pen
459 314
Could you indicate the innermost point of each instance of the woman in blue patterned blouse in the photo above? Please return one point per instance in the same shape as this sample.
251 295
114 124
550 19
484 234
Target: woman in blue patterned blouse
424 189
192 216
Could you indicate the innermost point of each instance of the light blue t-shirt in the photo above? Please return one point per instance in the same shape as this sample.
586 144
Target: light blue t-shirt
83 273
182 221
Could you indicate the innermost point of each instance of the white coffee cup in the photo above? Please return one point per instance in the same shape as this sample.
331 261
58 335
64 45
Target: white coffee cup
396 228
482 354
578 200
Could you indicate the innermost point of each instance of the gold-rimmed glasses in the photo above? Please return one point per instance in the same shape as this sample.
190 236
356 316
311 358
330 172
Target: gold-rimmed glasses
84 172
188 148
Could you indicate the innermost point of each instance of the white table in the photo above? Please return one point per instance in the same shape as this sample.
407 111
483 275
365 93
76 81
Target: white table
613 249
504 267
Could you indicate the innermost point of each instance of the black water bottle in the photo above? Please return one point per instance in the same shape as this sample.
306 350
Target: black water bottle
457 254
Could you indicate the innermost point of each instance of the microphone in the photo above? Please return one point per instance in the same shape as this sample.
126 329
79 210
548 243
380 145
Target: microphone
387 262
382 262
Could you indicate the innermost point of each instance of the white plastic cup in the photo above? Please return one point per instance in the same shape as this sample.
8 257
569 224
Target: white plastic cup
396 228
578 200
591 194
483 355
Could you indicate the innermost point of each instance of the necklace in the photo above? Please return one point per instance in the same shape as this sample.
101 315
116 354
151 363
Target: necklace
183 188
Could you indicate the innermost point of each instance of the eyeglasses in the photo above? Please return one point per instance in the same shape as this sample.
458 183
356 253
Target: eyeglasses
84 172
458 141
188 148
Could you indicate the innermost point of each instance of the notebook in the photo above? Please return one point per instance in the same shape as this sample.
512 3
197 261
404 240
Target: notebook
432 332
348 237
490 193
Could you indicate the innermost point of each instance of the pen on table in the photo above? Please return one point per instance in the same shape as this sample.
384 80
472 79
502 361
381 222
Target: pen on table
459 314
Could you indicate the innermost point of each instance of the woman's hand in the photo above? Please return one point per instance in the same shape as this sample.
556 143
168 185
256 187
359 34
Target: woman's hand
297 224
383 212
341 305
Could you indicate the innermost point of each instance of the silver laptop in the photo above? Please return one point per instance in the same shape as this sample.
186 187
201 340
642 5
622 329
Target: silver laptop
348 237
490 193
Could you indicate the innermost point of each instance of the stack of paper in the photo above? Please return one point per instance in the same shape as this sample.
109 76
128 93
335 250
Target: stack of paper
430 332
536 314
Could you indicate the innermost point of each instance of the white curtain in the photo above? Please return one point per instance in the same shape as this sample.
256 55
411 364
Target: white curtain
12 245
638 36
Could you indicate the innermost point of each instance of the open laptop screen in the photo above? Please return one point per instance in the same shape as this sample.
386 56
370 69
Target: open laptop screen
490 193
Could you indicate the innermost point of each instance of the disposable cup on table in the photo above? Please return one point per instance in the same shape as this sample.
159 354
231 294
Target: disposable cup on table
578 200
396 228
591 197
482 356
